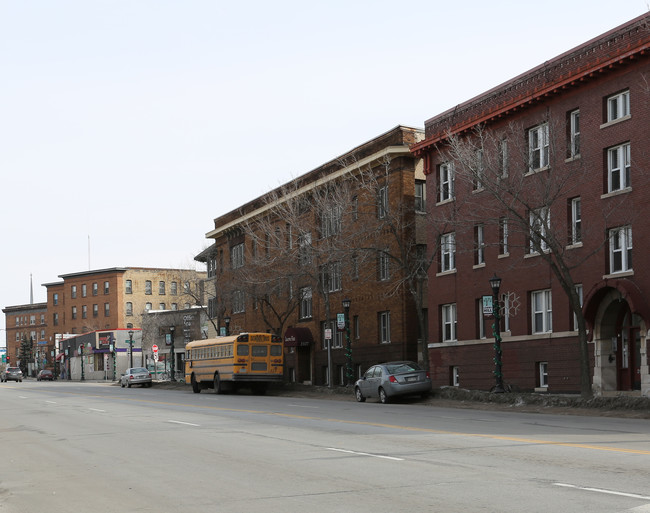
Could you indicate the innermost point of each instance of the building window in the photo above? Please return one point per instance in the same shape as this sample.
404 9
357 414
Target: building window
95 310
238 304
478 173
618 106
330 222
539 225
447 252
481 318
147 307
356 327
620 249
574 134
446 180
479 245
542 311
337 336
74 312
161 306
448 317
129 308
455 376
383 266
84 312
186 287
503 236
107 309
579 291
305 303
576 221
304 249
543 374
161 288
128 288
106 288
331 276
538 147
55 299
237 256
174 288
503 157
384 327
174 306
420 196
42 318
95 289
618 167
84 290
382 202
73 292
147 287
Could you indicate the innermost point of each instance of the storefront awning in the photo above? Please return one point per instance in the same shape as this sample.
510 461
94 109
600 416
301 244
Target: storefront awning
298 337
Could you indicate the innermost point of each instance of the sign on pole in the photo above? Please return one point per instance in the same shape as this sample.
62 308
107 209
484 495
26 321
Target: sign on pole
487 306
328 334
154 348
340 321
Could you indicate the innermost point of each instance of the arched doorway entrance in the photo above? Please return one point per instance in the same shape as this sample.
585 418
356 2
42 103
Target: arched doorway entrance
616 314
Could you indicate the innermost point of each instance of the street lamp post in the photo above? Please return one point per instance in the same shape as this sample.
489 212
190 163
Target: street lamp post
226 319
495 283
173 362
348 348
130 348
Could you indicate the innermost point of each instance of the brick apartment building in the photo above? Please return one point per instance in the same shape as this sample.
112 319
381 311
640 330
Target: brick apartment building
284 262
116 299
25 322
564 148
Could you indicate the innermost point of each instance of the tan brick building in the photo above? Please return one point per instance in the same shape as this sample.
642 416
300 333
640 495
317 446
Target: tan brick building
282 261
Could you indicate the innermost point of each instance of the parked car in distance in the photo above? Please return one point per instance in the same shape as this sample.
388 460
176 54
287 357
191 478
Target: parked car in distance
391 379
45 375
12 374
136 376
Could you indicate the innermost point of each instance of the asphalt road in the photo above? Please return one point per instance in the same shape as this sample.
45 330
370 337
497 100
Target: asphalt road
95 447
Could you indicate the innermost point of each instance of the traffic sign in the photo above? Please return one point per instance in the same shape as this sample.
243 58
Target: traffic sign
154 348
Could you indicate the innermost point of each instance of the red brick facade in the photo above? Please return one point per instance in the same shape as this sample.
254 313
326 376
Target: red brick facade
589 81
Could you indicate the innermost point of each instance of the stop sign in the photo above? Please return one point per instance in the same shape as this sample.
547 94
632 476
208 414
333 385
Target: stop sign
154 348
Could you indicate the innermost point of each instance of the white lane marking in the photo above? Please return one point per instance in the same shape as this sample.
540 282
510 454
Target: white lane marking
303 406
366 454
95 409
600 490
51 402
184 423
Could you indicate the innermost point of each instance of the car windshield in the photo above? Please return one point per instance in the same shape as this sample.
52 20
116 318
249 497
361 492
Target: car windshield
402 367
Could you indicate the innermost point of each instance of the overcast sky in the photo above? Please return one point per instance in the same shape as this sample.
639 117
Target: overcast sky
127 126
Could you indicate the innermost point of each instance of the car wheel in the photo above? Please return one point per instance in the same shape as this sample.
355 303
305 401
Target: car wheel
383 398
195 386
217 384
359 395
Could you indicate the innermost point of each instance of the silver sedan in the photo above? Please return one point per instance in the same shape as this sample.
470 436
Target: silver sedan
391 379
136 376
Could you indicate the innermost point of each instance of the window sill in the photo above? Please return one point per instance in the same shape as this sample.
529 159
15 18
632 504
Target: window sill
444 202
538 170
616 121
445 273
574 245
625 190
541 389
572 158
621 274
479 189
504 255
478 266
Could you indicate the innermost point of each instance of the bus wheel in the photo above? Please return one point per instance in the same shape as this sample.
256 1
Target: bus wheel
195 386
217 384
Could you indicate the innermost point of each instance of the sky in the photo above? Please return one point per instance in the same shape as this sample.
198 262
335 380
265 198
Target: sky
127 126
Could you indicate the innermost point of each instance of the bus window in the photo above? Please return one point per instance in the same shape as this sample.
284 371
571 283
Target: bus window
242 350
259 351
276 350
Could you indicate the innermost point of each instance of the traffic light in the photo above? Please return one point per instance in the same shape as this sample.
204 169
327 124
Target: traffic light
8 358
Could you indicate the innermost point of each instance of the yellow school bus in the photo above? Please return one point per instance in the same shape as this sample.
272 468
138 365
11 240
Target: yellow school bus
248 360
